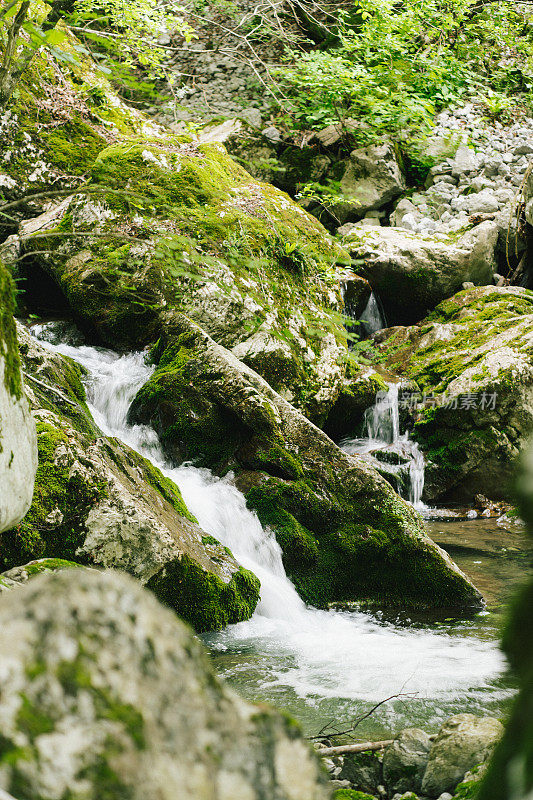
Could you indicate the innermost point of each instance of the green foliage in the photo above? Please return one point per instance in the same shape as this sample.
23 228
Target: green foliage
124 37
129 33
498 107
396 65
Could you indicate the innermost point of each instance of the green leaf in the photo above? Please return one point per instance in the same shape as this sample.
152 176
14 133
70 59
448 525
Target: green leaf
55 36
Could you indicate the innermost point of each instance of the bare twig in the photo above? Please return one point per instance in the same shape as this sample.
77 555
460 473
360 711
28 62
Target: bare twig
323 732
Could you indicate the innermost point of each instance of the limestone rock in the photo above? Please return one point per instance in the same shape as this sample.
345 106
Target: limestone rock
405 761
473 356
105 693
413 273
18 451
338 522
463 742
372 179
464 161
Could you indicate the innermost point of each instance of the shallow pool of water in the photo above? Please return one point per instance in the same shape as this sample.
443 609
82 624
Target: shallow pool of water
331 667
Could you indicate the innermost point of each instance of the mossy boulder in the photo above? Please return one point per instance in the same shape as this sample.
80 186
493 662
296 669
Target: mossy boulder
472 359
18 453
179 224
176 222
107 694
62 114
345 534
97 502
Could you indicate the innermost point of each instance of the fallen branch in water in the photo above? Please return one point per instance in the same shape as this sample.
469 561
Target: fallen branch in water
353 748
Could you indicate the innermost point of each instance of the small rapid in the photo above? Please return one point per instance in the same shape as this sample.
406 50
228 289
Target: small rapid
311 654
381 435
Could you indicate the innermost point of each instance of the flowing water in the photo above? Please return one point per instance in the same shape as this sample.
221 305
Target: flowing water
319 665
372 319
381 435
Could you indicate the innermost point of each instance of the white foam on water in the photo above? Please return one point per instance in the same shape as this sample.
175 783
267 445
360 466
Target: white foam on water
381 428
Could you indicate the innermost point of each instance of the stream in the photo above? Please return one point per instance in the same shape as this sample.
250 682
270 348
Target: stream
329 665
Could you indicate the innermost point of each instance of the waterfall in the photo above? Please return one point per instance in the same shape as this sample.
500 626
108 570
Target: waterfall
314 653
381 431
218 506
372 319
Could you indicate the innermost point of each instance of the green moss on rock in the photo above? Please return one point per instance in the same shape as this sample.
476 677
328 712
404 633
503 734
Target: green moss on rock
68 497
201 598
336 549
473 355
240 257
344 533
8 336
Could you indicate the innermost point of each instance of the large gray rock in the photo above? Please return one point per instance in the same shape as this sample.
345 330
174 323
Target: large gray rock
18 450
412 273
405 761
372 179
465 161
463 742
105 693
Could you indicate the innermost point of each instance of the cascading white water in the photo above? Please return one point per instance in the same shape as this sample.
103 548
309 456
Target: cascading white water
312 653
372 318
381 428
219 507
